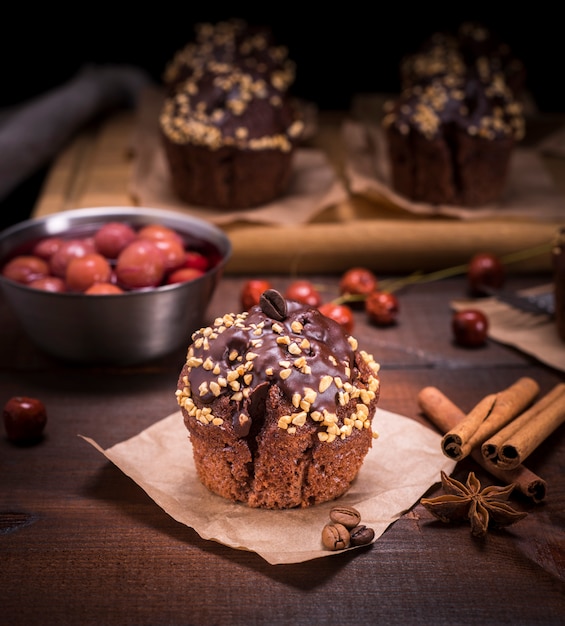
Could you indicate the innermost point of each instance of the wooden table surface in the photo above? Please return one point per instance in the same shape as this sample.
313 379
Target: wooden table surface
81 543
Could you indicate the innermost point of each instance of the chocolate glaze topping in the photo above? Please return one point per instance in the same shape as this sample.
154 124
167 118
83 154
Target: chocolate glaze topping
304 353
487 111
231 108
467 82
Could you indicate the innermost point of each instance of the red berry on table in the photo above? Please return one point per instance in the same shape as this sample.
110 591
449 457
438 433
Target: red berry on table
340 313
470 328
358 281
251 292
485 269
382 308
305 292
24 419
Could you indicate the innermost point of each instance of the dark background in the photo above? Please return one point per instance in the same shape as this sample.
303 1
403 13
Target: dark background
339 50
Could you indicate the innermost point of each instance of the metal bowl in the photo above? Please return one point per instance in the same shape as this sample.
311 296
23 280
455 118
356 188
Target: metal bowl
121 329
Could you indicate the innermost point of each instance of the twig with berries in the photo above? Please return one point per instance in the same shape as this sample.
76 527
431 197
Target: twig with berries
359 287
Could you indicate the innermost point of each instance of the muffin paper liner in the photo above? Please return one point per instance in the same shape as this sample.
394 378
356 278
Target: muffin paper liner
403 463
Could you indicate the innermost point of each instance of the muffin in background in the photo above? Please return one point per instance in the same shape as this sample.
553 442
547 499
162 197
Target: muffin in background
452 130
229 126
229 140
453 144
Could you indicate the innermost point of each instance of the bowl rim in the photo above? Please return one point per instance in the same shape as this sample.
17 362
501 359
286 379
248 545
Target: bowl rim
211 233
101 211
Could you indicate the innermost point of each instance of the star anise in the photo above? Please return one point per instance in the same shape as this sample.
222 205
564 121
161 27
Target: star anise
469 502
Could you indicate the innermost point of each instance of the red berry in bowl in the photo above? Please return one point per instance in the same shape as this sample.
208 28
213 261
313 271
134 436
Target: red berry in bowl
485 270
46 247
54 284
196 259
251 292
69 249
24 419
382 308
470 328
183 275
103 289
340 313
111 238
173 252
140 265
83 272
305 292
26 268
158 231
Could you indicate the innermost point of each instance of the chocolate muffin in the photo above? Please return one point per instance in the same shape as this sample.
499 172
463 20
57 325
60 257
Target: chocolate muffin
452 130
229 140
278 402
450 139
229 125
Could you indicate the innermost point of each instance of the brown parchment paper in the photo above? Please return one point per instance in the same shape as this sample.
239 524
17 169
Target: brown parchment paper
531 333
403 463
314 186
530 193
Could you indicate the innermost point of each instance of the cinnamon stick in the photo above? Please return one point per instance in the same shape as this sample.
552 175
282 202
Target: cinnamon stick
445 415
456 443
488 417
516 441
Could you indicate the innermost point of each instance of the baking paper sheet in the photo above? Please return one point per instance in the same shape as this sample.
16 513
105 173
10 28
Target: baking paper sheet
404 462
